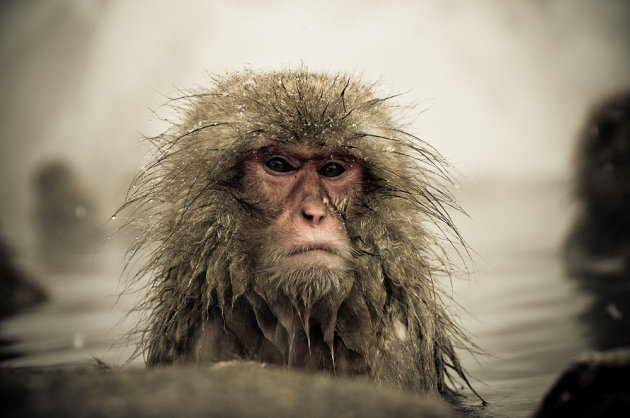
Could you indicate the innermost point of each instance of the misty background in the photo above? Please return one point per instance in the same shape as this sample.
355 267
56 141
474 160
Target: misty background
501 88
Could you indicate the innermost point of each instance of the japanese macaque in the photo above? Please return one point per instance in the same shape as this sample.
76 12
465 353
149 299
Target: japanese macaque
67 227
597 250
599 243
289 219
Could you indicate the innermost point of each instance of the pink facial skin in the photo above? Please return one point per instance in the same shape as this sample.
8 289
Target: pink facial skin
308 189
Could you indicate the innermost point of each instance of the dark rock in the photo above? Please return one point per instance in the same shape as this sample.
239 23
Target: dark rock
232 389
595 385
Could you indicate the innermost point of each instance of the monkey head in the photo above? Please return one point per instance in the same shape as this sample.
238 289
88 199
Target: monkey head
288 218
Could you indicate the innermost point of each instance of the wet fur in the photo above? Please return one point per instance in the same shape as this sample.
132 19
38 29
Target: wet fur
382 318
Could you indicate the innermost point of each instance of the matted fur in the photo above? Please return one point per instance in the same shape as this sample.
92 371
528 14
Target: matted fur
208 300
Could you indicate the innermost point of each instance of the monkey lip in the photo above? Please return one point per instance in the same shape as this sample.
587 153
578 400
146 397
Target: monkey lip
322 248
315 255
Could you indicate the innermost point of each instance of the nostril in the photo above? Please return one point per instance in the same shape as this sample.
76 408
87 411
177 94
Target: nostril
314 211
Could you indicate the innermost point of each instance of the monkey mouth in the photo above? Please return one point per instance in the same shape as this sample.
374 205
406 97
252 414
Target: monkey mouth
316 255
312 248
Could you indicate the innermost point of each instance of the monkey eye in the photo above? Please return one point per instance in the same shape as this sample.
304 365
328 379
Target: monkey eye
331 169
279 165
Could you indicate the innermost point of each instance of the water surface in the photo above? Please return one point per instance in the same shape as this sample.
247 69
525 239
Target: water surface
518 305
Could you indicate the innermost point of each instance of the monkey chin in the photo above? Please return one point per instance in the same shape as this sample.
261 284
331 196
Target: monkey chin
305 270
306 274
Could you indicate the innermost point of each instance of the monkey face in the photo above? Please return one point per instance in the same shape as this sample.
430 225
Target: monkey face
308 190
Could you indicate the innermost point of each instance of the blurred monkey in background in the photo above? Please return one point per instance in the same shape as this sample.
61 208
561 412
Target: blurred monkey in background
600 240
597 249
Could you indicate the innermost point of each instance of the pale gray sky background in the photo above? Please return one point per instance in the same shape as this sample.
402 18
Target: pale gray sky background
505 84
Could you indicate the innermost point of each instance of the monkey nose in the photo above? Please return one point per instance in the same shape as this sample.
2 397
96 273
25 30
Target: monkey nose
314 211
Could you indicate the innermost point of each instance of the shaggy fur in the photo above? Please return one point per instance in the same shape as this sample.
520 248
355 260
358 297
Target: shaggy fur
214 295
